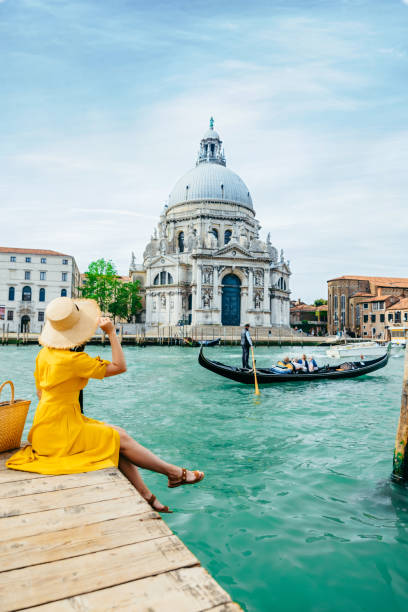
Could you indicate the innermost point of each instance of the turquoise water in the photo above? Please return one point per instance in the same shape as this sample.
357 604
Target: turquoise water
296 510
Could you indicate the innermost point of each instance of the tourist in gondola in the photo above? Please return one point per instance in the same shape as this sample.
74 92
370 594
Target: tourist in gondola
312 365
285 366
64 441
246 343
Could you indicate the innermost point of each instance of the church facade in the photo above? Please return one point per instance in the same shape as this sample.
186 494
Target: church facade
205 263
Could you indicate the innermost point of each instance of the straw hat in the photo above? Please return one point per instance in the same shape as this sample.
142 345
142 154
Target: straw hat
69 322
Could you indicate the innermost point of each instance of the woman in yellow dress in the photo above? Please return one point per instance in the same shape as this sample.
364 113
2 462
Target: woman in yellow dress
64 441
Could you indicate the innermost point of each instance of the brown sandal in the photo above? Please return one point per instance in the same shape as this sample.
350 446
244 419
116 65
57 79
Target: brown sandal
177 483
164 510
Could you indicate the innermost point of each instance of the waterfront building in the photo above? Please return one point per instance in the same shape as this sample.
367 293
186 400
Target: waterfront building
29 280
308 316
362 305
205 263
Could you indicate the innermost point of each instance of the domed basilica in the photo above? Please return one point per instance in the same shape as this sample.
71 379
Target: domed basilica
205 263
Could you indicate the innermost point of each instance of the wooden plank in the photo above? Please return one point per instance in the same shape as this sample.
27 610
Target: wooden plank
14 475
40 584
26 525
184 590
13 506
43 548
30 486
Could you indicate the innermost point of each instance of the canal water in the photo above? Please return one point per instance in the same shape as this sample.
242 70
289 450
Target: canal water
297 510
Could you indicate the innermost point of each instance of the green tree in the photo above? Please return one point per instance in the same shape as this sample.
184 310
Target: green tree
320 302
134 299
103 284
126 301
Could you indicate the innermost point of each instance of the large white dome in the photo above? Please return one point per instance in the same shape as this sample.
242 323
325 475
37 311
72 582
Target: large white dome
210 181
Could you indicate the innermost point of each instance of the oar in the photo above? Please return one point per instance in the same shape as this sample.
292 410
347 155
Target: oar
257 392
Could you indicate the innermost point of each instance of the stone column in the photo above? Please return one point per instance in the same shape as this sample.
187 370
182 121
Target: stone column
250 289
198 295
266 296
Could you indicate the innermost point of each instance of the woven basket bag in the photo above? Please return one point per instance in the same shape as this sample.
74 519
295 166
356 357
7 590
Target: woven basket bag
12 418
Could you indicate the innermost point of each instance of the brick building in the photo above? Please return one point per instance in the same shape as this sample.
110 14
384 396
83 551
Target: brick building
364 305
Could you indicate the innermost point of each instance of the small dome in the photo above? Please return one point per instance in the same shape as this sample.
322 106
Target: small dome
211 134
210 182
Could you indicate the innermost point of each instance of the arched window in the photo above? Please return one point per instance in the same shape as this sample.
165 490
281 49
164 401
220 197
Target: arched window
227 236
214 233
181 242
26 294
63 293
11 294
170 279
163 278
156 279
41 297
282 284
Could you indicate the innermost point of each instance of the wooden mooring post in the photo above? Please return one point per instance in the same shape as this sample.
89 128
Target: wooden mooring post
400 463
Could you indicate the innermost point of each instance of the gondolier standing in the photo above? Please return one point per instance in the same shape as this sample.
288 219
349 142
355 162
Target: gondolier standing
246 342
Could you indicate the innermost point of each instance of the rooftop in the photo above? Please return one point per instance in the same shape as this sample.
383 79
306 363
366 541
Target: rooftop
382 281
310 307
31 251
400 305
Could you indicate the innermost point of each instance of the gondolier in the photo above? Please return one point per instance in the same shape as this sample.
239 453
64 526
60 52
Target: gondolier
246 342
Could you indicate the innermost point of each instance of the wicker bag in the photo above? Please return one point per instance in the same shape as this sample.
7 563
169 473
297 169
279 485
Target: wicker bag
12 418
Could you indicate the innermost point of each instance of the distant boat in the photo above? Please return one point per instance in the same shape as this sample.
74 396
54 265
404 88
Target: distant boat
398 336
356 349
265 376
191 342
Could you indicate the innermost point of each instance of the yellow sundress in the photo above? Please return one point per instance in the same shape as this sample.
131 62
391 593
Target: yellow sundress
62 440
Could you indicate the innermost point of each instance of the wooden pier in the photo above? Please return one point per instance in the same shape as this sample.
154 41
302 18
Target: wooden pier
89 542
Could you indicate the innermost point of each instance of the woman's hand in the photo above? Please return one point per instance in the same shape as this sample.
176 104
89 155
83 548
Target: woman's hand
106 325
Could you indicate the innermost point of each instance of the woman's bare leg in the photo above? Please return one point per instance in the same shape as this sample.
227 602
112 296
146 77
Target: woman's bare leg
132 474
144 458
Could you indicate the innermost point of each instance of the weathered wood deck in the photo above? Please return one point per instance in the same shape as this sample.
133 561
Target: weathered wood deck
89 542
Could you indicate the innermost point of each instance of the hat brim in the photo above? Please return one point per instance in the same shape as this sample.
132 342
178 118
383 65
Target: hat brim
78 334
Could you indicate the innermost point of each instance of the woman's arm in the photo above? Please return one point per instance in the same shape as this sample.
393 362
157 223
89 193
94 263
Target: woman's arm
118 364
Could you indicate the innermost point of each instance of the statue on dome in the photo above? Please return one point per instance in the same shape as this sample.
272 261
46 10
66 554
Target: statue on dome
163 246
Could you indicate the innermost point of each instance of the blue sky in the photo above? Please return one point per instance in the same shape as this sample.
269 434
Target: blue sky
103 105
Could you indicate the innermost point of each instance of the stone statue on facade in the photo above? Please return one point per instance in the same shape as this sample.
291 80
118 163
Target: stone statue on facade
207 296
163 300
258 298
207 275
191 238
163 246
258 278
272 251
211 241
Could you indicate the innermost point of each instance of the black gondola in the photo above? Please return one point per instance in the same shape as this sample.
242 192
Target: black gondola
191 342
267 377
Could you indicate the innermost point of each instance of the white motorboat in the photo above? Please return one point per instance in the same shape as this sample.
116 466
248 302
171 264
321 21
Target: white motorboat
354 350
398 336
